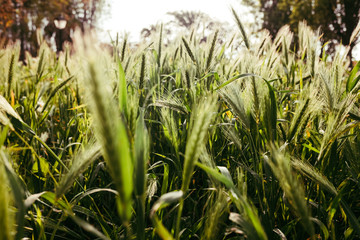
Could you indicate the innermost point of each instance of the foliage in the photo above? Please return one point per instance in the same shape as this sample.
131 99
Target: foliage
19 20
189 140
336 19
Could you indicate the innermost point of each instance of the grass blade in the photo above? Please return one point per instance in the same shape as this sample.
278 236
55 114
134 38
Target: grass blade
18 193
355 33
80 162
293 190
141 152
159 47
241 203
211 51
56 89
109 125
10 74
352 79
201 117
164 201
8 116
241 27
6 219
188 49
122 90
235 78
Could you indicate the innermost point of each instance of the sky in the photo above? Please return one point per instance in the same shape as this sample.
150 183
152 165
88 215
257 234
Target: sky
134 15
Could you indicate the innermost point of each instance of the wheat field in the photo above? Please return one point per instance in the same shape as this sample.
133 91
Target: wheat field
234 138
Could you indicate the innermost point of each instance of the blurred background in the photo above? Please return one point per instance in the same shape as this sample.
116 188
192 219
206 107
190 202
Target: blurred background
137 20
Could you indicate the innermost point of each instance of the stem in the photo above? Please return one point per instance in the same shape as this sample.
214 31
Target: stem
178 220
140 219
128 231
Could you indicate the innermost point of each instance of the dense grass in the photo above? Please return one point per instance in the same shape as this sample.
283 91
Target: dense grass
190 140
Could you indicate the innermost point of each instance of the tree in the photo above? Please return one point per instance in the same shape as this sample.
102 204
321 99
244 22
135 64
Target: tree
182 19
20 19
337 19
187 20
